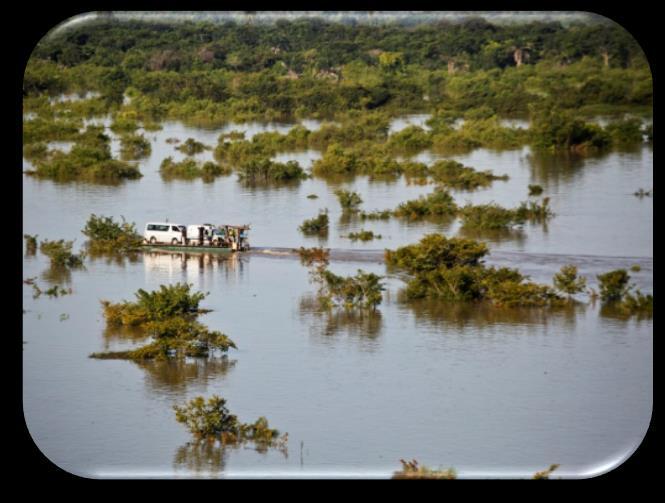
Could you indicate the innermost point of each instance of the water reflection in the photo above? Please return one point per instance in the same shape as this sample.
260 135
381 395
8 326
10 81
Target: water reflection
57 275
201 457
173 376
112 257
516 235
555 168
331 322
193 267
613 312
484 314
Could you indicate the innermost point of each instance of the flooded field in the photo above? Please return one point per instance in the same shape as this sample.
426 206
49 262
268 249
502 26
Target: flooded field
489 392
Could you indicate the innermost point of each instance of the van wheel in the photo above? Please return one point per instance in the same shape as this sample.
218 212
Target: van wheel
153 240
174 241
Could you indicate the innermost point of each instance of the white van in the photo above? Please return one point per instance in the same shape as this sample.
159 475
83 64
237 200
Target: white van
163 232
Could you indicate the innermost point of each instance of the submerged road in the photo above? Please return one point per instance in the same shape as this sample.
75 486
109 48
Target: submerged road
535 265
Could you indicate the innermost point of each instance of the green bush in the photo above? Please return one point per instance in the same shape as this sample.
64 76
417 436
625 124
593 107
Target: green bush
317 225
107 235
30 244
614 285
266 171
568 281
134 146
350 201
362 291
411 470
455 175
363 235
535 190
437 204
191 147
60 253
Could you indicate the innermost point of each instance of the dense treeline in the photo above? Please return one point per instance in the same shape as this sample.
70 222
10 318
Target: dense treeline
311 68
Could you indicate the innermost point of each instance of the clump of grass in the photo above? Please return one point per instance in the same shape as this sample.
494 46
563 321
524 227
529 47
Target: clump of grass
310 255
412 470
545 474
312 196
123 124
613 285
30 244
437 204
192 147
172 140
211 420
134 146
232 135
455 175
635 268
568 281
535 190
488 217
348 200
615 292
60 253
106 235
363 235
534 212
317 225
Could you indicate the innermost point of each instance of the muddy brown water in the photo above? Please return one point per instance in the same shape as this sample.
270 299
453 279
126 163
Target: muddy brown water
488 392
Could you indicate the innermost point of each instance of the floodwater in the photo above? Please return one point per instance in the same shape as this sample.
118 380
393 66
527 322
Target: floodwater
489 392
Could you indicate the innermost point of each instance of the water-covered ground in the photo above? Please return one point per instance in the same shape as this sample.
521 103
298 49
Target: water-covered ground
486 391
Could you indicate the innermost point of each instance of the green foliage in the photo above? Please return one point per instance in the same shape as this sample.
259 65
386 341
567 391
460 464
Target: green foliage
635 268
134 146
457 176
613 285
534 212
158 305
412 470
88 160
410 139
189 168
568 281
535 190
555 129
60 253
363 235
434 251
30 244
490 216
350 201
375 215
451 269
211 419
625 131
107 235
362 291
317 225
643 193
267 171
191 147
637 304
437 204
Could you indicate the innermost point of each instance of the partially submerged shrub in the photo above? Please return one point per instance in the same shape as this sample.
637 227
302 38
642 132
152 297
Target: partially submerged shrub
451 269
107 235
266 171
626 131
310 255
189 168
312 196
30 244
191 147
437 204
568 281
613 285
643 193
555 129
60 253
455 175
375 215
637 304
211 419
534 212
134 146
488 216
317 225
348 200
412 470
535 190
410 139
363 235
167 302
362 291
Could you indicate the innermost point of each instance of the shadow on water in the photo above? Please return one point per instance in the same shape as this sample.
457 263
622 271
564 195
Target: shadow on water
335 321
483 314
173 376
